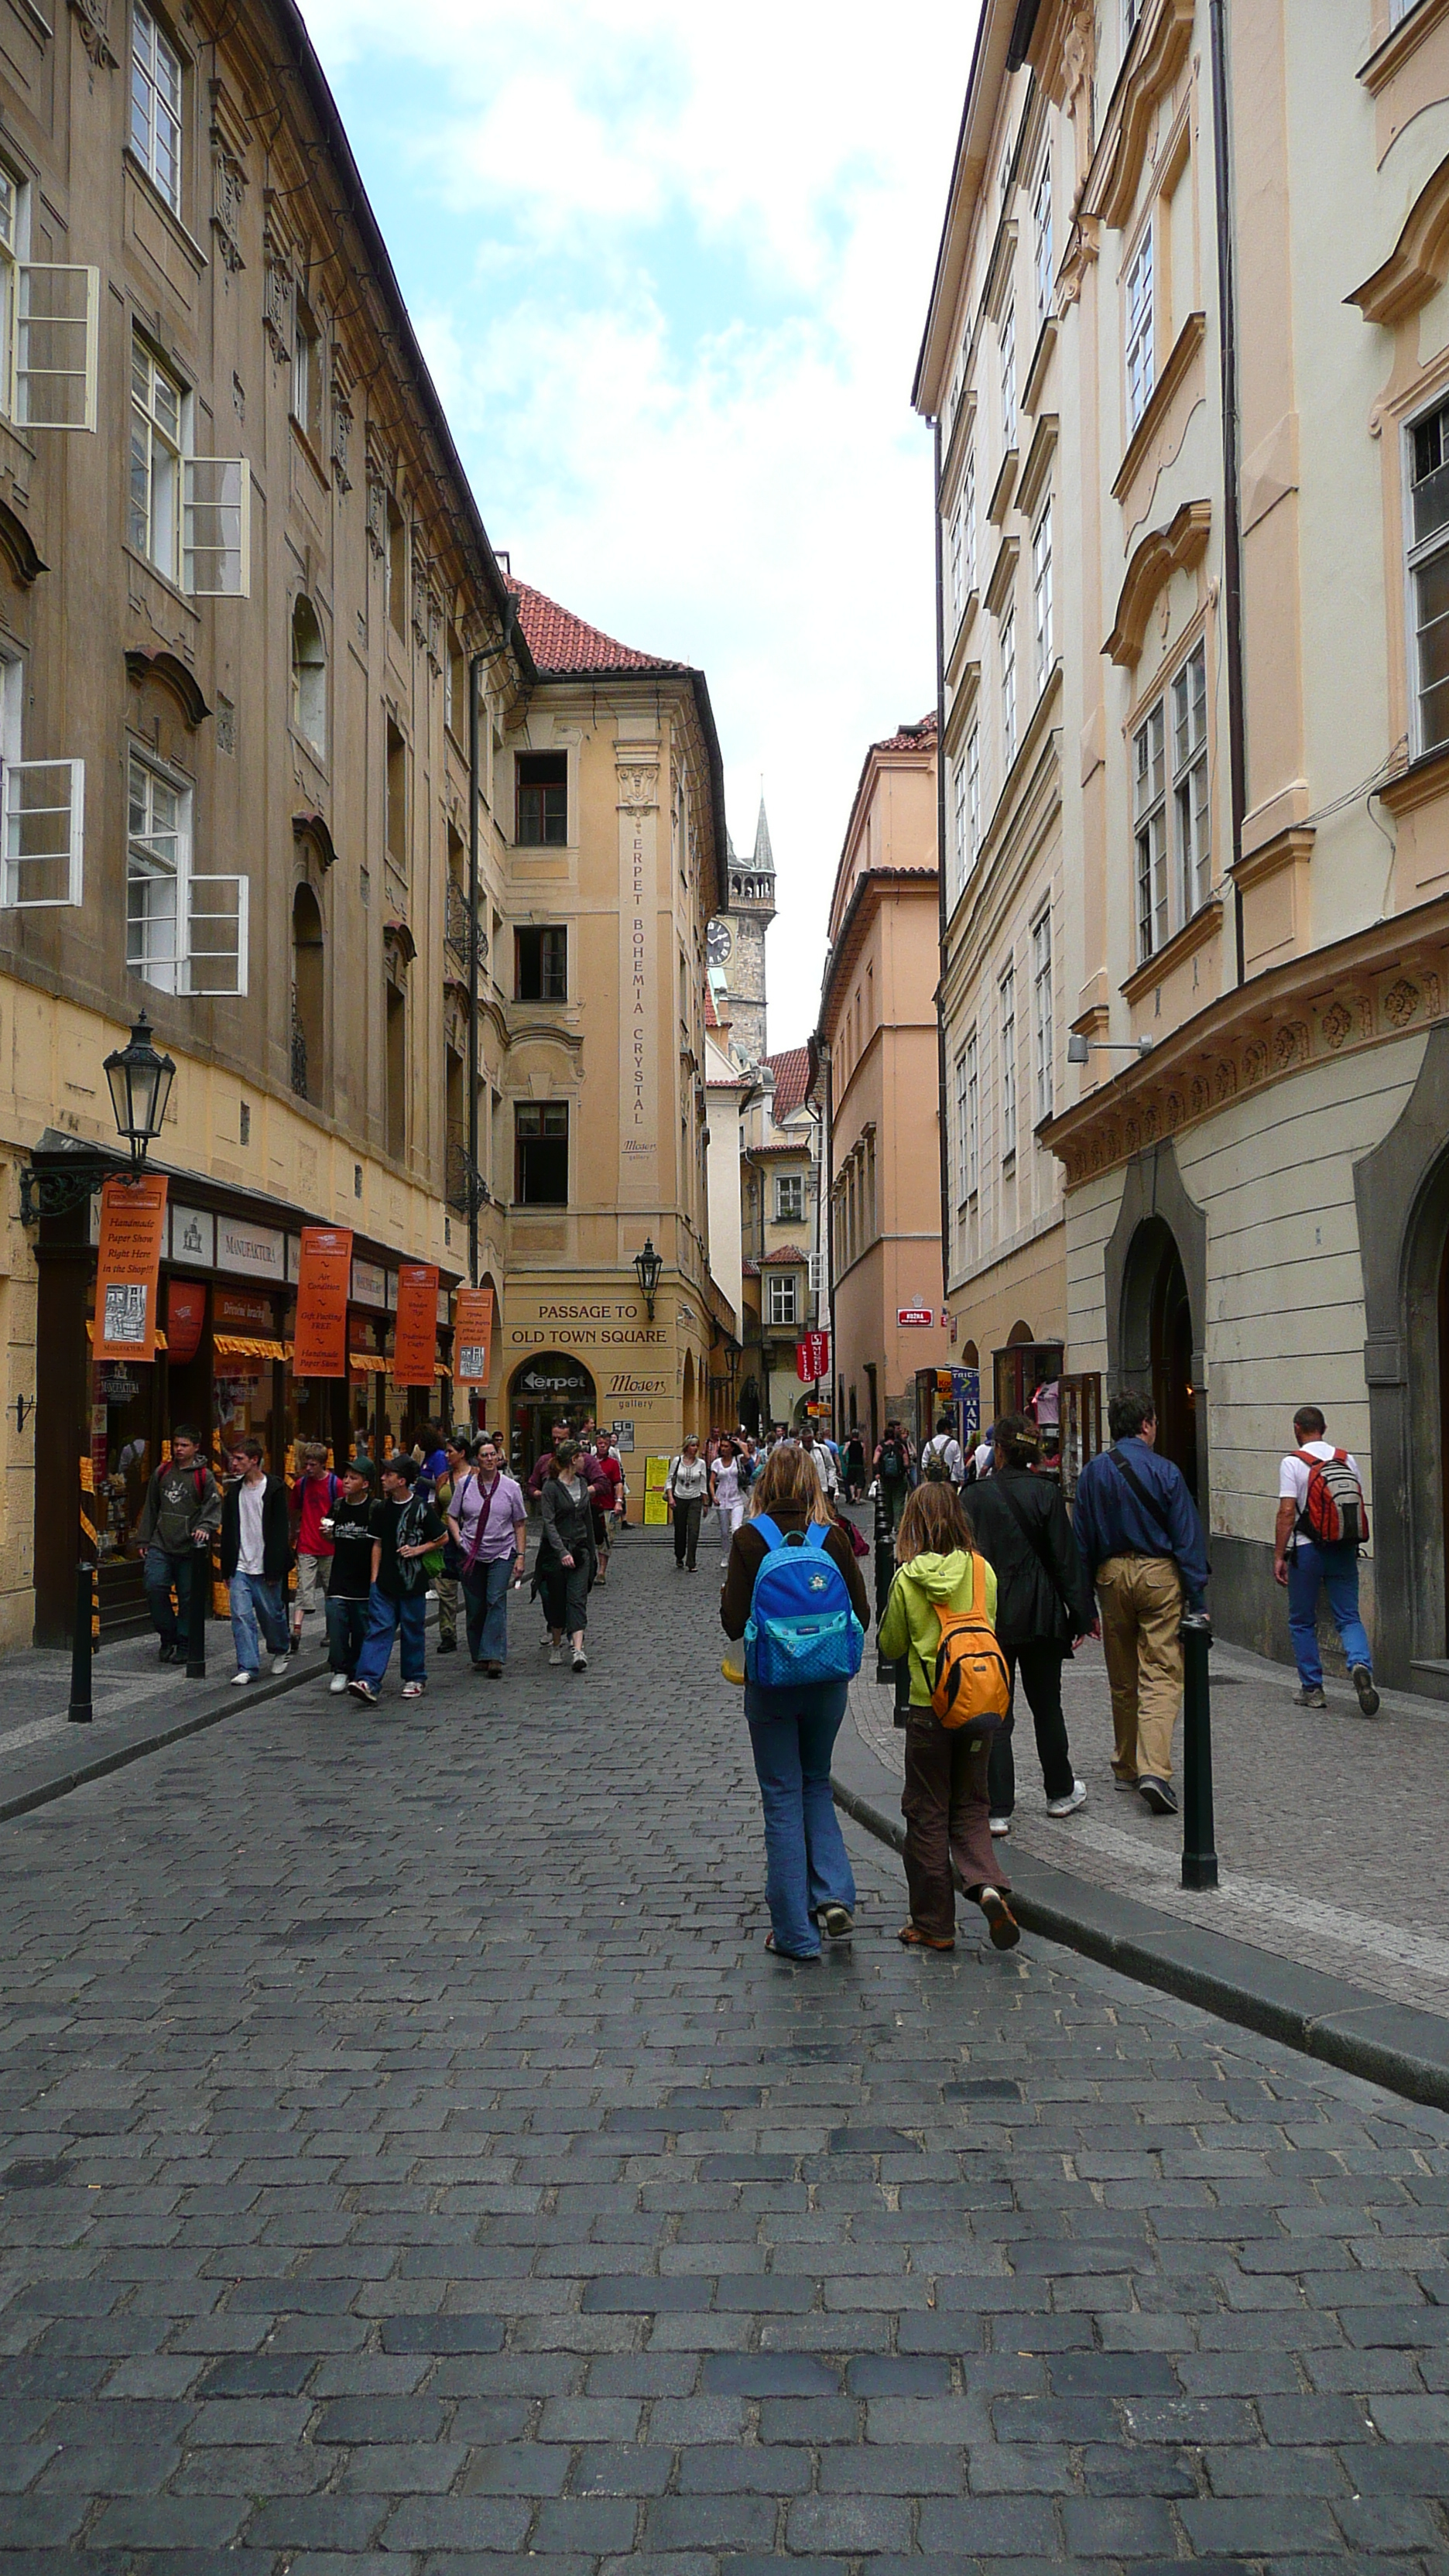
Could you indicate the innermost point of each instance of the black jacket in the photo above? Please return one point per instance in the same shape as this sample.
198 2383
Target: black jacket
1029 1607
276 1530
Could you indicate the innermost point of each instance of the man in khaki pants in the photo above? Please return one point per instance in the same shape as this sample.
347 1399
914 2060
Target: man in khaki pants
1142 1546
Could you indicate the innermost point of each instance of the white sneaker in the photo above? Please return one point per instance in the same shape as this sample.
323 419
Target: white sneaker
281 1663
555 1654
1000 1827
337 1683
1069 1806
580 1660
238 1679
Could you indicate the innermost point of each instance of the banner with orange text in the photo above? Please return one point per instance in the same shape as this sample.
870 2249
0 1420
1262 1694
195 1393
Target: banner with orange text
472 1336
128 1268
320 1333
415 1335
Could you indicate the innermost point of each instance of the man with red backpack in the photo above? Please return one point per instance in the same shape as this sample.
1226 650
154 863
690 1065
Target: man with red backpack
1322 1524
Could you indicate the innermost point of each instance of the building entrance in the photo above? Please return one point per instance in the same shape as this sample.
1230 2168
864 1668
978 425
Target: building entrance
552 1387
1157 1341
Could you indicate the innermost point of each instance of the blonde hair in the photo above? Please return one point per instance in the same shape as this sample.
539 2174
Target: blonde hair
788 1480
932 1524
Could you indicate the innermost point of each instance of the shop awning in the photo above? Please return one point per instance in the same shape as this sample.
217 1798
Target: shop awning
246 1346
367 1363
91 1335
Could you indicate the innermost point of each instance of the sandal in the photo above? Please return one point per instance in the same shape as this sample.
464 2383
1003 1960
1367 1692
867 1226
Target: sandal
1001 1922
918 1940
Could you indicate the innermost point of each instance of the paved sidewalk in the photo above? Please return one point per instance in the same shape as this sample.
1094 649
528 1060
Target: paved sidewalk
413 2162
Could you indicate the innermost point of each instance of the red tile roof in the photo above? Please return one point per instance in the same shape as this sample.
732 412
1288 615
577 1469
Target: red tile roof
564 647
792 1079
919 736
750 1268
788 1256
711 1015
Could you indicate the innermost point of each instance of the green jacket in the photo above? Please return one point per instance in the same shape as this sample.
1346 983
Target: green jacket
910 1625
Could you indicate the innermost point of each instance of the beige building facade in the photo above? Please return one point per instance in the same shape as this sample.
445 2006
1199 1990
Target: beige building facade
1232 405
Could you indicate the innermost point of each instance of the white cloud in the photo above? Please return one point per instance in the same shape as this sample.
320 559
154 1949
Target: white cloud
685 270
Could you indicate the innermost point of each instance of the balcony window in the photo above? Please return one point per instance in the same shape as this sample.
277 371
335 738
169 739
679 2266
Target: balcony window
541 1153
542 819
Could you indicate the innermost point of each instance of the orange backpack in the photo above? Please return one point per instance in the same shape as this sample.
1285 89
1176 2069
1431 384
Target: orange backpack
972 1682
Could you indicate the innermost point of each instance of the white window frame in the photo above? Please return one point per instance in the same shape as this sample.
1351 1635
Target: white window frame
784 1294
1041 594
47 372
958 831
207 955
1008 685
968 522
206 507
1043 267
1009 404
1192 818
157 105
955 565
1426 558
1149 828
42 813
155 450
973 795
972 1055
1139 329
1006 1025
789 1186
1043 1017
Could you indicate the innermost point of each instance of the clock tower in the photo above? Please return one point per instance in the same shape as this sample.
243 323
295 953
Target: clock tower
736 943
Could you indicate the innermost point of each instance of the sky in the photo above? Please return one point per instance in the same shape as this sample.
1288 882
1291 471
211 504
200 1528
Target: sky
669 266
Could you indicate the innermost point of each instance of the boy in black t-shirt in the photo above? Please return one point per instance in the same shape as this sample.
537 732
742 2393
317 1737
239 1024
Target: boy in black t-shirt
349 1572
405 1531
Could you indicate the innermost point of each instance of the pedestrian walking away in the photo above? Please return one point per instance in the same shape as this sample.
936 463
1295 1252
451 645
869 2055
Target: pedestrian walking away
488 1530
1043 1608
854 1466
945 1447
1322 1524
179 1517
406 1533
686 1494
944 1801
349 1570
256 1556
313 1497
1142 1551
565 1567
808 1878
727 1495
892 1464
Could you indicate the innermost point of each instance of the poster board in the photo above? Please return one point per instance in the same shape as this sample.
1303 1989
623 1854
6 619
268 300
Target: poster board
656 1479
324 1275
128 1268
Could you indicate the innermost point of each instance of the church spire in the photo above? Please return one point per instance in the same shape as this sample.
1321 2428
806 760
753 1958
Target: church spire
764 859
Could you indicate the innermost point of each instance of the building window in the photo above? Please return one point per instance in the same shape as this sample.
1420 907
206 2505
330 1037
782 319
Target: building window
156 104
1190 782
960 861
154 518
308 991
784 1298
1041 595
543 800
1042 262
397 797
184 933
789 1198
541 1153
42 813
1008 379
955 559
1429 567
1008 1064
973 795
307 375
455 688
540 965
1041 1005
1150 820
963 1190
971 1138
48 328
309 677
1141 334
397 570
968 523
1008 685
395 1072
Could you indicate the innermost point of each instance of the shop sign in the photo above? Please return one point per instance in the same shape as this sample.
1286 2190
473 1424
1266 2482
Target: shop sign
185 1319
233 1307
916 1315
812 1357
415 1342
119 1390
259 1251
551 1377
624 1438
193 1238
369 1284
472 1336
325 1270
128 1268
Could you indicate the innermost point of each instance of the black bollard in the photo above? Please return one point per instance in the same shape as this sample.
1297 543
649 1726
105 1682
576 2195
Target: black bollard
1199 1857
196 1621
80 1712
884 1572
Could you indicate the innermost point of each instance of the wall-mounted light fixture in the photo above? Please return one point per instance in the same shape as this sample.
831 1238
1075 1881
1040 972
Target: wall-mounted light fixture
1080 1050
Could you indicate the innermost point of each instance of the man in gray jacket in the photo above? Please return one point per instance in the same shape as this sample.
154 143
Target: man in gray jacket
181 1511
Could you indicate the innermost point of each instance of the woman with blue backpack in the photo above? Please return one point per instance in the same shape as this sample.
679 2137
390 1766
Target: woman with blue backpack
793 1592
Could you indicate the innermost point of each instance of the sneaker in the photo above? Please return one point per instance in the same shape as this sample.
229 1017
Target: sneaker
1000 1921
555 1654
280 1663
412 1690
1363 1682
337 1684
239 1680
1068 1806
1125 1780
1309 1699
363 1690
1001 1827
446 1646
1159 1795
581 1661
838 1920
166 1651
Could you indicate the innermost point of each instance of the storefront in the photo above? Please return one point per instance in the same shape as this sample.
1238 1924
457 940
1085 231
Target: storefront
591 1352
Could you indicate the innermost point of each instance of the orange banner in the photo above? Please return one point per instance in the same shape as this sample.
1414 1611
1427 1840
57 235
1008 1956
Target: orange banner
128 1268
415 1335
320 1334
472 1336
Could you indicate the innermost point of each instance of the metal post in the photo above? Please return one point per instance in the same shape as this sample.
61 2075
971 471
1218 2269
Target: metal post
1199 1857
884 1570
80 1712
196 1623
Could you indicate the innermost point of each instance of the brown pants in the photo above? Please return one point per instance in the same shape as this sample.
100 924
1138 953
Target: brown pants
1140 1598
948 1818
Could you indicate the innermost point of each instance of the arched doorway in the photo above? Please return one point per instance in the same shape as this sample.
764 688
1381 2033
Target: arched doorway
1158 1341
552 1386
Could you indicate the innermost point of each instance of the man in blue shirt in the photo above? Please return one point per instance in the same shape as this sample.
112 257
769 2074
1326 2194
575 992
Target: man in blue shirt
1142 1547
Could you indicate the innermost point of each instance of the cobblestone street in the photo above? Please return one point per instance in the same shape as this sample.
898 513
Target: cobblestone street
413 2161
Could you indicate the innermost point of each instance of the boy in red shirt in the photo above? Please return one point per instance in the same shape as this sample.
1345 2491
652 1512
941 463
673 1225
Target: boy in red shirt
313 1496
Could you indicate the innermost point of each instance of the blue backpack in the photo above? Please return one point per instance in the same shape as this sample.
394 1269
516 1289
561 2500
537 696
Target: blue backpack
801 1628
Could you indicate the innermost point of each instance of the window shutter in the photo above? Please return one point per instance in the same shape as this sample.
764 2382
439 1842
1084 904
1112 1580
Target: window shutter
216 513
56 332
216 936
43 829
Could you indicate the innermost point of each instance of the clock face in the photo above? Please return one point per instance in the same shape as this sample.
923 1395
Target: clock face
719 943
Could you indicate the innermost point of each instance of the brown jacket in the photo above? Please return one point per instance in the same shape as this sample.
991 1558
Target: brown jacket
748 1552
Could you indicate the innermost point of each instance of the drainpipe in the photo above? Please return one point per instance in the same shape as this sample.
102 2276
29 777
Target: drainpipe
1232 519
825 1232
943 1133
475 692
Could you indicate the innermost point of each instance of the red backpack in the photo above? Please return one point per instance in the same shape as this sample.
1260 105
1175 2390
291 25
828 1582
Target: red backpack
1334 1512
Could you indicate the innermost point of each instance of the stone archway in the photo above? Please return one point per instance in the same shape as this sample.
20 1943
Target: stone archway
548 1387
1145 1297
1158 1340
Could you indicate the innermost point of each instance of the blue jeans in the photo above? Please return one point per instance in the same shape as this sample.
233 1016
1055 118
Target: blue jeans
253 1599
1335 1569
386 1619
485 1605
792 1734
158 1573
346 1628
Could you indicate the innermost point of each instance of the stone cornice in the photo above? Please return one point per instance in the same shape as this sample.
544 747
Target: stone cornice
1174 369
1162 552
1155 56
1418 264
1382 983
1389 58
1198 933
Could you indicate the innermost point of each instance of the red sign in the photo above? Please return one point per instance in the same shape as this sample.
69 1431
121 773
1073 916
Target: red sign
925 1315
185 1317
415 1337
812 1357
244 1314
321 1325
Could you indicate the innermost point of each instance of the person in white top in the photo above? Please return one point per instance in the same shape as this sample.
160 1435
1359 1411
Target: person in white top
824 1464
1308 1564
728 1500
947 1448
687 1493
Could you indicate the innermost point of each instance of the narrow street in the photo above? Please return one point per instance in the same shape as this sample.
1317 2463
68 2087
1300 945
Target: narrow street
411 2155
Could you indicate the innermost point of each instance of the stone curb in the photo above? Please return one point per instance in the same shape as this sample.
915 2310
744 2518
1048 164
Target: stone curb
1392 2045
60 1784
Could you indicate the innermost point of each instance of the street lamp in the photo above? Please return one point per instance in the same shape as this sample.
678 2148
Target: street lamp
647 1269
1080 1050
140 1081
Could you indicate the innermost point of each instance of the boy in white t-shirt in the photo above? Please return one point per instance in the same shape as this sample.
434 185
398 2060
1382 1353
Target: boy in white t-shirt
1308 1568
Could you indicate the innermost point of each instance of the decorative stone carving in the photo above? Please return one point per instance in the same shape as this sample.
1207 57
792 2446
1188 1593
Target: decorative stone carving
1255 1060
1431 997
1335 1025
1201 1096
1174 1110
93 20
279 291
228 176
377 485
638 789
420 588
341 423
1290 1046
1227 1079
1401 1001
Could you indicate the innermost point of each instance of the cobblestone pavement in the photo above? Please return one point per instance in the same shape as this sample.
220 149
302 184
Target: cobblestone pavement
1331 1831
413 2162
